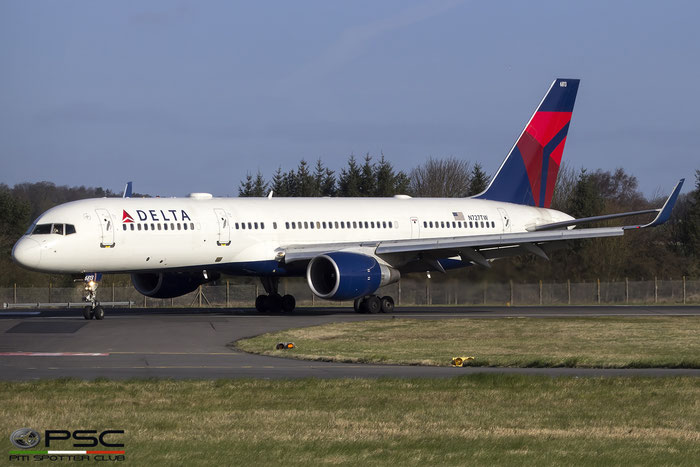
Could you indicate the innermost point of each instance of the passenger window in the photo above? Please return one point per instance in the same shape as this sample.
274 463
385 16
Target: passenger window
493 224
459 224
286 225
384 224
371 224
366 225
132 227
184 226
294 225
191 225
390 225
336 224
158 224
318 225
138 227
123 226
165 226
242 225
323 224
454 224
306 225
70 229
172 226
236 225
250 225
471 225
311 224
178 226
145 226
255 224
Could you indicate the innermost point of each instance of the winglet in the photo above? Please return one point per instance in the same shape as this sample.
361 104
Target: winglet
665 211
127 190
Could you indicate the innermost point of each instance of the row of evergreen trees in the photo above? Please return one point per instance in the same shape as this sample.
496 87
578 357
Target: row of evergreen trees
437 177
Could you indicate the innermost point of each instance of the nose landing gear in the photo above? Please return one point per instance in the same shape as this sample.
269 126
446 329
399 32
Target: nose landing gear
93 310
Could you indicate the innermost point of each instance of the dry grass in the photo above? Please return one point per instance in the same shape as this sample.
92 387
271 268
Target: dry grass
619 342
480 419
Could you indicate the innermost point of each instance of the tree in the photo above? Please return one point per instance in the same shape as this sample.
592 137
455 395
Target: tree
349 181
253 187
442 178
585 200
367 178
692 221
304 181
279 183
478 180
388 183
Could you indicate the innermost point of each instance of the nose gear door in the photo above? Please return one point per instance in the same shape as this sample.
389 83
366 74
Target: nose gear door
107 226
224 227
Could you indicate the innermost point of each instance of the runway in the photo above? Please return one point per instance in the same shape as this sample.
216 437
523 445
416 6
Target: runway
177 343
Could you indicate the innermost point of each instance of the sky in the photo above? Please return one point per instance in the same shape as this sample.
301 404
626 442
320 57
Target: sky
190 96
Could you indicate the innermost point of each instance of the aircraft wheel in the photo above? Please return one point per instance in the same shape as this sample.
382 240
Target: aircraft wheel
357 305
99 313
387 304
288 303
87 312
260 303
273 303
372 304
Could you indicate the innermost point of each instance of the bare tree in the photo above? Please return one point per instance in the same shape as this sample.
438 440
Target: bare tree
441 178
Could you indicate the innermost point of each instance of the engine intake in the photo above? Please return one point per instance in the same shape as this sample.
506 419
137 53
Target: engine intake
346 276
170 284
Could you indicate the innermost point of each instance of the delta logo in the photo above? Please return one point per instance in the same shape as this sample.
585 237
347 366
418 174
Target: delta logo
156 215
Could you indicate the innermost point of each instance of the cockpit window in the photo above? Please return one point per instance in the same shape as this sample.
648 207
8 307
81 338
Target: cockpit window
57 229
42 229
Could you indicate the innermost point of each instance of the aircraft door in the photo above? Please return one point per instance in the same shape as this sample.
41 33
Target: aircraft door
107 226
415 228
224 227
506 220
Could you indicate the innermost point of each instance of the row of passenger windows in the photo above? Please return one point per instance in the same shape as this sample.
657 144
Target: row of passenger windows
159 226
319 225
458 224
58 229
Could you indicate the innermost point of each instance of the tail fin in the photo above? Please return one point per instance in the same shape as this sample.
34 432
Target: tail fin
529 172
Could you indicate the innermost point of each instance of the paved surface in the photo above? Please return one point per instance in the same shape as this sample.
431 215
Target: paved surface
37 344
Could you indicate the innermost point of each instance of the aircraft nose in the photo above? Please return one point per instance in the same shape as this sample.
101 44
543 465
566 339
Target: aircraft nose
27 253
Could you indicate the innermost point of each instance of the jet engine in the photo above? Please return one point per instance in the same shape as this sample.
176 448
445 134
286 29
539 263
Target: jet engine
346 276
170 284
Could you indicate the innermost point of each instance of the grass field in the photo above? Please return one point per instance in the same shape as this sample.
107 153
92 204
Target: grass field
475 420
608 342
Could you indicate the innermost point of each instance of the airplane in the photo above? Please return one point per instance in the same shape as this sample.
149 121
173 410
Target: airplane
347 248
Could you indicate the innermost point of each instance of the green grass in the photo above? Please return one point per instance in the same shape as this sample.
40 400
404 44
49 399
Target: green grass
608 342
475 420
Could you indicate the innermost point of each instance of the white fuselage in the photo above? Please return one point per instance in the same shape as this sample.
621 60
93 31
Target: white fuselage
150 234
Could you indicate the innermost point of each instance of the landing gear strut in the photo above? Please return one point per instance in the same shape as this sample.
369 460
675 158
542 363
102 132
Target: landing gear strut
273 301
93 310
374 304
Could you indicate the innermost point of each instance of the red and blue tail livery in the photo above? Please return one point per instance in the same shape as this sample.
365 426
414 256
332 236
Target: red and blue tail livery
529 173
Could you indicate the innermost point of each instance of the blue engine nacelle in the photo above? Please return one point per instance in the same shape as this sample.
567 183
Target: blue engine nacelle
170 284
345 276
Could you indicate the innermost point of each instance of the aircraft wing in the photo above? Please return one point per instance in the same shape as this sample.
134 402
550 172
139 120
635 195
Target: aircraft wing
478 249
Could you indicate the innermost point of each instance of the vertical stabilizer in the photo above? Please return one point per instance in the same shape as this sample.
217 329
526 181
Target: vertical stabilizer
529 172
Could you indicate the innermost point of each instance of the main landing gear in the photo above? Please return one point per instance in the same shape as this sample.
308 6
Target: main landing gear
273 301
374 304
93 310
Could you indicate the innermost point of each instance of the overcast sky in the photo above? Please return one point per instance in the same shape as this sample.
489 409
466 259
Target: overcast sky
189 96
